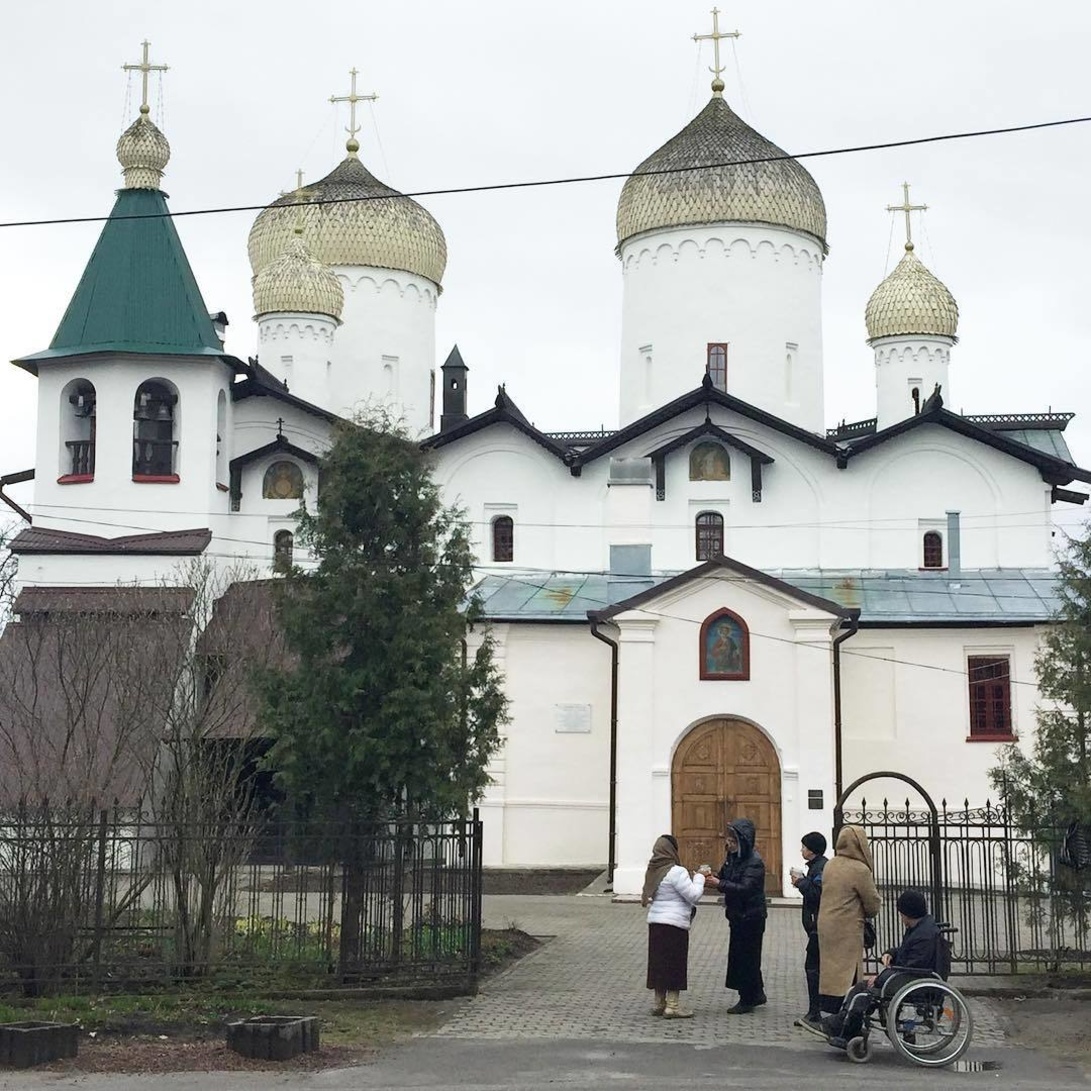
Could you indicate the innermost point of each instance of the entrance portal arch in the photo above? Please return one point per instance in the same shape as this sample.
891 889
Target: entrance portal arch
725 769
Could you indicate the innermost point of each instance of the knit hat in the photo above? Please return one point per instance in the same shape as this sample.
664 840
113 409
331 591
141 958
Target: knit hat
815 842
913 904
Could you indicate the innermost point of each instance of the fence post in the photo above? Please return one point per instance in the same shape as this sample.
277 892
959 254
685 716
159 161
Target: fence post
475 895
100 898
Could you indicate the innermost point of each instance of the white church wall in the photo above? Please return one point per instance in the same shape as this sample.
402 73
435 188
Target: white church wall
788 697
757 288
907 370
905 706
549 805
385 351
297 349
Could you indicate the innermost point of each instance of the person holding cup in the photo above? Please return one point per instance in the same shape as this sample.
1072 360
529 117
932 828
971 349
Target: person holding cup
671 894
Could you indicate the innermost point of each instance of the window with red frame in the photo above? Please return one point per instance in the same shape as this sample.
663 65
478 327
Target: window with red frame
990 695
503 538
710 535
716 365
933 550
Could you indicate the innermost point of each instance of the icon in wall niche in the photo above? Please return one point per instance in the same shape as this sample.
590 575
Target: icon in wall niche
725 647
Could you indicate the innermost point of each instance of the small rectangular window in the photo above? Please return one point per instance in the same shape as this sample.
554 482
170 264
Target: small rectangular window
716 364
503 538
990 695
933 549
710 535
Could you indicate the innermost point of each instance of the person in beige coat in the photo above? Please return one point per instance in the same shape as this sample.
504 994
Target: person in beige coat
848 896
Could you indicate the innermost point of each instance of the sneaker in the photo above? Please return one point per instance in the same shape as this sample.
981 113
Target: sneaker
741 1009
677 1013
812 1026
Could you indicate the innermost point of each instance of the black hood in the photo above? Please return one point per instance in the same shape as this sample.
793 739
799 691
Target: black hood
744 831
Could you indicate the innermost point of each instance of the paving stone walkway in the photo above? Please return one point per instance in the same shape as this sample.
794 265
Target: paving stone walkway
586 981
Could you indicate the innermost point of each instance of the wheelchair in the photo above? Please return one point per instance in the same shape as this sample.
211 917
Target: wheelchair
927 1021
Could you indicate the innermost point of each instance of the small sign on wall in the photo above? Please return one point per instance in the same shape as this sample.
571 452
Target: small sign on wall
572 719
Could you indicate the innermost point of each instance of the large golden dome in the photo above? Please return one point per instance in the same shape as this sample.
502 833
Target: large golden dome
352 219
778 191
911 301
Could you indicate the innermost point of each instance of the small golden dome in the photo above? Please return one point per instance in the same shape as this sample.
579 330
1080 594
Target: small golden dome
143 152
728 184
295 282
353 219
911 301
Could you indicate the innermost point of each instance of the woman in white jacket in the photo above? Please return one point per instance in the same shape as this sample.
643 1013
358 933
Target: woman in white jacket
672 894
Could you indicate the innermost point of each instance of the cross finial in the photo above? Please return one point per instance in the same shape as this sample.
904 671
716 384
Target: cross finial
906 207
352 98
144 68
280 427
714 37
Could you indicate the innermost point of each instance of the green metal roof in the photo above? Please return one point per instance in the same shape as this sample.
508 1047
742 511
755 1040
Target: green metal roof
138 293
996 596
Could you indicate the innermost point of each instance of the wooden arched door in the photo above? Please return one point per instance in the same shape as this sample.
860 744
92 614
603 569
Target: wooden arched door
726 769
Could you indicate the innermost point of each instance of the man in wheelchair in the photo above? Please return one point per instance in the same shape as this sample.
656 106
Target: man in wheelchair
920 954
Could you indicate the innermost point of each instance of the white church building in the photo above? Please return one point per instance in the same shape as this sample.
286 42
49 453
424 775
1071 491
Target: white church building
721 608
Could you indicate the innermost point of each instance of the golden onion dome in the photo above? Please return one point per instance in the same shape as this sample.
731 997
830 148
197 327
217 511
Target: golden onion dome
295 282
353 219
710 176
911 301
143 152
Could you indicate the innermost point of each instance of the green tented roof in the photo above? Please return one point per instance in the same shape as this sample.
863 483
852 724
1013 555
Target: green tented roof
138 293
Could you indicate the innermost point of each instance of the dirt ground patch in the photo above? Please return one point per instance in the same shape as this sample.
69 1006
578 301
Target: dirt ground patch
1057 1026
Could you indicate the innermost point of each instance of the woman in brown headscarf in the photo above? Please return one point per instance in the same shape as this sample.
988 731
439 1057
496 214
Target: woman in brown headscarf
671 894
848 896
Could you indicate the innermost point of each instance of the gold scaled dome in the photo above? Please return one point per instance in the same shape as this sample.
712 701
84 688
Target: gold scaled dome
143 152
295 282
779 191
353 219
911 301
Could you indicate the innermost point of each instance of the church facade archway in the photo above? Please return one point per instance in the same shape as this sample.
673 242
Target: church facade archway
726 768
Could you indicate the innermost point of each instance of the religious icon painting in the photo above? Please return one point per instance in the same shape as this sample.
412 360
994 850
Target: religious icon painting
725 648
283 481
709 462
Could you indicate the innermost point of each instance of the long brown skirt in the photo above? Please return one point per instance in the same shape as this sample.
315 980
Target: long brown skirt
668 957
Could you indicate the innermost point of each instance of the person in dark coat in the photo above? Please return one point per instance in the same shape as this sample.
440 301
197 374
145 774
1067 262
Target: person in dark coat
741 880
809 884
919 950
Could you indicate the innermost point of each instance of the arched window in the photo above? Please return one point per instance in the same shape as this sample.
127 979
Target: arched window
710 535
933 549
503 538
724 647
716 365
77 432
709 462
283 546
283 481
155 438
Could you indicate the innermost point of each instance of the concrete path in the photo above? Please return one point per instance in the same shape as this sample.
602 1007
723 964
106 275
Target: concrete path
587 982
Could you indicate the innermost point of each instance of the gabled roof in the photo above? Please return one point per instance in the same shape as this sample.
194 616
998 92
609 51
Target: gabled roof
260 382
707 428
504 411
1054 470
279 446
705 395
175 543
137 293
713 568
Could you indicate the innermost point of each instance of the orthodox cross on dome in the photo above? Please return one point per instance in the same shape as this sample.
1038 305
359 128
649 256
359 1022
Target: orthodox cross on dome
144 68
906 207
352 98
280 427
714 37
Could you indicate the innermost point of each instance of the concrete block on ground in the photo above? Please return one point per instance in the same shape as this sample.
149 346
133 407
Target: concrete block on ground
273 1037
32 1042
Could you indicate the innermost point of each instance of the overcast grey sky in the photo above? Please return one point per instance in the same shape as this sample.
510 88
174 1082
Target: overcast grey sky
483 91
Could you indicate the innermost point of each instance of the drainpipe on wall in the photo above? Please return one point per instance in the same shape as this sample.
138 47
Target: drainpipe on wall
854 627
954 547
611 853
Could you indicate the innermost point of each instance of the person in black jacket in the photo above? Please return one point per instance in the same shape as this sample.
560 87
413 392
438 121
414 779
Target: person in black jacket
741 880
809 884
919 950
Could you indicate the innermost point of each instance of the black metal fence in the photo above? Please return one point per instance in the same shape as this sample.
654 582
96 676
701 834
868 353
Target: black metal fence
1016 906
99 900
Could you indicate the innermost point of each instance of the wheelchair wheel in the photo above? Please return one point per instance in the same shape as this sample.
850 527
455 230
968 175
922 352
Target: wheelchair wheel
929 1023
858 1051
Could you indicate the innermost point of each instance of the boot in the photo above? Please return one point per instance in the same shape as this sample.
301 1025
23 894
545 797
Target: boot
672 1010
660 1005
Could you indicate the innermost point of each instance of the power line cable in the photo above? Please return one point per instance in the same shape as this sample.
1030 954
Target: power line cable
575 179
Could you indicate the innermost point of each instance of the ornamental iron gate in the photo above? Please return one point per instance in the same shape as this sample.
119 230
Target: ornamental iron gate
1015 903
